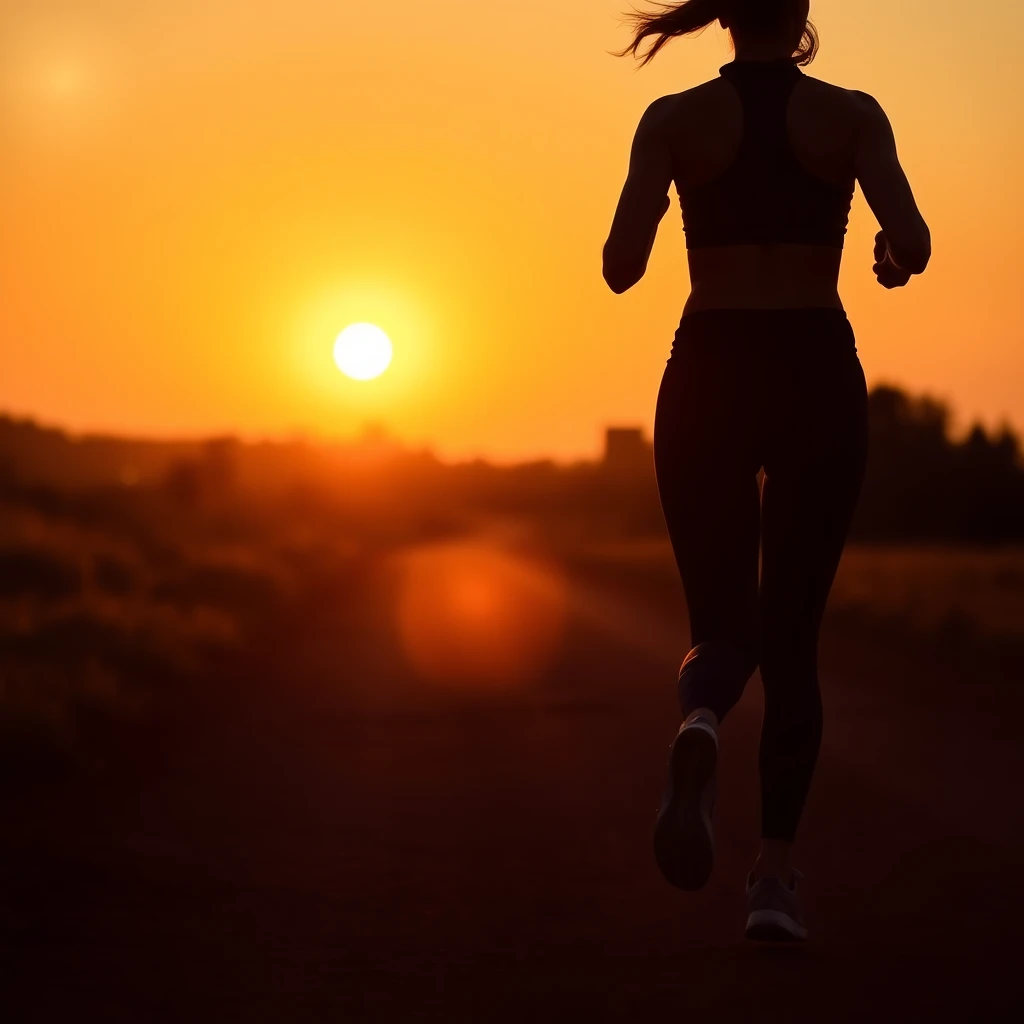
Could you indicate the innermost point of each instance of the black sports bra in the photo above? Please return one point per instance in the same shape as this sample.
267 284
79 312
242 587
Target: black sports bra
766 196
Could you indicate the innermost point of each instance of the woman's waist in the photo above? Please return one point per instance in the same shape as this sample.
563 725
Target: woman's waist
764 277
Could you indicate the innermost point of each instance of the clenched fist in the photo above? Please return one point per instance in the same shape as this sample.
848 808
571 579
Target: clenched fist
888 273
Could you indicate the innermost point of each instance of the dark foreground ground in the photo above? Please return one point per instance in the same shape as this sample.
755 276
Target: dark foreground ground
324 839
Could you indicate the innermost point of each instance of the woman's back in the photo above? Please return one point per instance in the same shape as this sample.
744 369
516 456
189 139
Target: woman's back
705 127
764 161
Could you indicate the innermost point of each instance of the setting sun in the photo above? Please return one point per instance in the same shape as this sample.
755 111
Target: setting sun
362 351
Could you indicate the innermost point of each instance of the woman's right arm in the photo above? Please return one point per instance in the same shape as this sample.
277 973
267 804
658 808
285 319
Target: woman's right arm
903 247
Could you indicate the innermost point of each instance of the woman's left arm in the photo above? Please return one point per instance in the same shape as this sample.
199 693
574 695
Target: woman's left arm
643 203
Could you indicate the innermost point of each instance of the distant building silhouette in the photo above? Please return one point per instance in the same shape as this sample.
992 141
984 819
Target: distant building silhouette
627 451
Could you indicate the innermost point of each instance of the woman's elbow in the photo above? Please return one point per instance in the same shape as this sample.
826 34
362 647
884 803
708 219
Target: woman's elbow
620 277
618 284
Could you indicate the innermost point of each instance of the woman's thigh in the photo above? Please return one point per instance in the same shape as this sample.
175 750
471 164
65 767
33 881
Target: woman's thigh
816 451
706 460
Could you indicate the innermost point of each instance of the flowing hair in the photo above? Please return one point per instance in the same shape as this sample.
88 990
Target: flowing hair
754 17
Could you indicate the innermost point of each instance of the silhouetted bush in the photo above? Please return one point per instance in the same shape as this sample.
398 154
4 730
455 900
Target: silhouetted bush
31 572
218 586
114 576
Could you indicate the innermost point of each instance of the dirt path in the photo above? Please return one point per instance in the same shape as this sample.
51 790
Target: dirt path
306 857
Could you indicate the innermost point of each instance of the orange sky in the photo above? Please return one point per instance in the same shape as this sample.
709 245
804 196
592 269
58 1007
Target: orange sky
196 197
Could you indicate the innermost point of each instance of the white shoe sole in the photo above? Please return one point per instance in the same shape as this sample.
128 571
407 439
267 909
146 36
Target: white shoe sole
774 926
684 845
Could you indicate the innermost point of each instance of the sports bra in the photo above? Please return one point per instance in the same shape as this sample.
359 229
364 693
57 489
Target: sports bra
766 196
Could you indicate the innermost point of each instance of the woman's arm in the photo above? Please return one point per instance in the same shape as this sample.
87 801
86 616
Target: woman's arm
903 247
642 204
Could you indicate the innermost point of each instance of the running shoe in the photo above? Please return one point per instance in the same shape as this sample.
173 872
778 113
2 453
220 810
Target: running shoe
684 845
774 910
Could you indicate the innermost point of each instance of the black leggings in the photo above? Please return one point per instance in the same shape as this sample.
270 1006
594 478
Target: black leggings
743 390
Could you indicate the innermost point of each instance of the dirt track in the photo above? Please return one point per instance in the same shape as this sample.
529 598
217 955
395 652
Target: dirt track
308 856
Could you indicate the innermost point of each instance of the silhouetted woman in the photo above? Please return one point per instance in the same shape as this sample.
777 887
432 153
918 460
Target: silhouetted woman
763 373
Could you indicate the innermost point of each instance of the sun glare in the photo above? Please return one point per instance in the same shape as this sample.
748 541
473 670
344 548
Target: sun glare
470 615
362 351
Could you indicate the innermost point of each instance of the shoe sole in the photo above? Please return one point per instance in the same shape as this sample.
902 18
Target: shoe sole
774 926
683 840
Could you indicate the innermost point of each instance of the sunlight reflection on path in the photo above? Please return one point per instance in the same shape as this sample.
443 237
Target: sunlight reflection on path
472 614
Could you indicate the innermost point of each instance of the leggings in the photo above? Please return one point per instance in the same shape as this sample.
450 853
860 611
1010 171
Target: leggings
782 391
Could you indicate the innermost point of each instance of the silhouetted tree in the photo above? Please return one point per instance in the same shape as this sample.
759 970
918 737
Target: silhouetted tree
921 485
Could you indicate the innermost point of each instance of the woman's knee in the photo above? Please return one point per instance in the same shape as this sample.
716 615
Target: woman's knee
789 674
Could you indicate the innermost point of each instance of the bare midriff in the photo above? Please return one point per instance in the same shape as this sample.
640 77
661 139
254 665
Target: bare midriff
764 277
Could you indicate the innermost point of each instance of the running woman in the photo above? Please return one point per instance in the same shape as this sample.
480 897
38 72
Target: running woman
763 375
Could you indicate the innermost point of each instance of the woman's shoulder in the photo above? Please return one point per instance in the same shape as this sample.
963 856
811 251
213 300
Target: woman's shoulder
695 96
854 102
693 104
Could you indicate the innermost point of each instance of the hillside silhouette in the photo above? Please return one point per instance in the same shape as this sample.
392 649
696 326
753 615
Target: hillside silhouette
922 484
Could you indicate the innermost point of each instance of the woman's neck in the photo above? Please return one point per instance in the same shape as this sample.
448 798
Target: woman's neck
763 49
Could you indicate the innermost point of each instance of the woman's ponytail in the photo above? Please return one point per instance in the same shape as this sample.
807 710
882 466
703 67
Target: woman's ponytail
673 20
755 17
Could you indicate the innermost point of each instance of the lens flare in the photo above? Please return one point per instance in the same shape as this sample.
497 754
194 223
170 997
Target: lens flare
470 615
